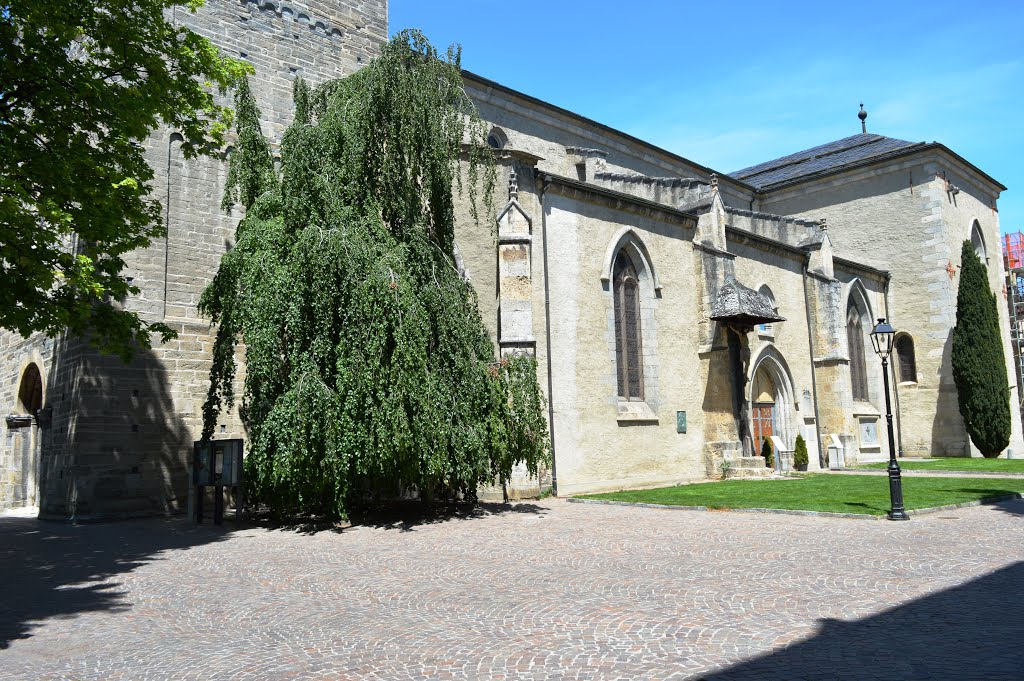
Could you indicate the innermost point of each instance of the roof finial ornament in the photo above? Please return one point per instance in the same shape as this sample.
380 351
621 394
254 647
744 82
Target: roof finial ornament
823 224
714 182
513 185
863 116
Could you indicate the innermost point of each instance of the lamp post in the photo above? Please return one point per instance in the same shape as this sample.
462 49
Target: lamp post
882 339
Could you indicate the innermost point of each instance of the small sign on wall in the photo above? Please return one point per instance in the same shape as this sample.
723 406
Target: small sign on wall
869 433
680 421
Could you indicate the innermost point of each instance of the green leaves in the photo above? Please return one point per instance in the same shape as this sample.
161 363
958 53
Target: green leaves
800 452
368 369
251 170
84 84
978 359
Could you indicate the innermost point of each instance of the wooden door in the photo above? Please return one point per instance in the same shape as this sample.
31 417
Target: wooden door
764 416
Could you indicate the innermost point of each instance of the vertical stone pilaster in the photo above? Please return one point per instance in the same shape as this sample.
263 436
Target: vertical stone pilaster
831 364
515 278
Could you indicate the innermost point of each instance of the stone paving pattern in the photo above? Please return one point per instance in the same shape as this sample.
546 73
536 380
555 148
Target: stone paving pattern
541 590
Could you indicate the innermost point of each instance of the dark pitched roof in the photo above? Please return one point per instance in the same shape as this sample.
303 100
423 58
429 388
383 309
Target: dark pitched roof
737 304
827 157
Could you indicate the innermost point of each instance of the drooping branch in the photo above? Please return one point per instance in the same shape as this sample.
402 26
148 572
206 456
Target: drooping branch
367 364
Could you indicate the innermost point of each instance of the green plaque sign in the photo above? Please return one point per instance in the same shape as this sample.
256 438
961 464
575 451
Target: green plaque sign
680 421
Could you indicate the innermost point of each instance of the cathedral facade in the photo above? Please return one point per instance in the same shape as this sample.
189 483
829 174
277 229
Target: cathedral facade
680 316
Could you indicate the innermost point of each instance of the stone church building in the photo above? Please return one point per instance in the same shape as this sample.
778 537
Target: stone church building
679 314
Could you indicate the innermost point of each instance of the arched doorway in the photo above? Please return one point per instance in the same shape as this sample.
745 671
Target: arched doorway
30 391
771 399
763 407
23 428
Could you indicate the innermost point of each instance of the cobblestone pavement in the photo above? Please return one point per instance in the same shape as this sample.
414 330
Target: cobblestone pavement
546 590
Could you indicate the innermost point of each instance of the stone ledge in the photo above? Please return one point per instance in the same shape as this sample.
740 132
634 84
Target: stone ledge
630 413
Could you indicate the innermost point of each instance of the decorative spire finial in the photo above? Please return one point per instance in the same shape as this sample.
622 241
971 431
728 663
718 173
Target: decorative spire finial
823 224
714 181
513 185
863 116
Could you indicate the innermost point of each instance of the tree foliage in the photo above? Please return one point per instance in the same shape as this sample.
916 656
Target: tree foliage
800 452
979 362
367 364
82 84
767 452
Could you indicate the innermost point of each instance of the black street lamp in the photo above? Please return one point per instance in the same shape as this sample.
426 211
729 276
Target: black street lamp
882 338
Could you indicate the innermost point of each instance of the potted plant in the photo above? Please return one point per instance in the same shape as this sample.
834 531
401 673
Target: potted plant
766 452
800 454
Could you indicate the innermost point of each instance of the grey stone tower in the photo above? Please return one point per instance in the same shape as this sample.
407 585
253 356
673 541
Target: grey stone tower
113 440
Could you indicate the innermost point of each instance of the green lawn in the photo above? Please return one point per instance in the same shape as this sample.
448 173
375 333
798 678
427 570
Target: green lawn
822 492
959 464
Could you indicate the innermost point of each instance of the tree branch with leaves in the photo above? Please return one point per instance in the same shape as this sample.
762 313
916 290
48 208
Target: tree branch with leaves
83 83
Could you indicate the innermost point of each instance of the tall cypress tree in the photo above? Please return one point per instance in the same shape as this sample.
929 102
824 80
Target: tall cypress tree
979 364
367 364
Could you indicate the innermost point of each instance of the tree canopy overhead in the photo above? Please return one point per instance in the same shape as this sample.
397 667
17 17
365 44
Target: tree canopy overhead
82 84
978 359
367 364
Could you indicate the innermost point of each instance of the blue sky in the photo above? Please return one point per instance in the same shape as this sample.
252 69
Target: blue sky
732 84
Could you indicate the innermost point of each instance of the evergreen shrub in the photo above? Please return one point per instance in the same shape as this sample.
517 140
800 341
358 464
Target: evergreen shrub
766 452
978 359
800 453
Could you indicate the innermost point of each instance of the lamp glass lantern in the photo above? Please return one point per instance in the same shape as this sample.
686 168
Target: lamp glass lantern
882 338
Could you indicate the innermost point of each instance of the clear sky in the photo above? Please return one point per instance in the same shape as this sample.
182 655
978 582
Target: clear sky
731 84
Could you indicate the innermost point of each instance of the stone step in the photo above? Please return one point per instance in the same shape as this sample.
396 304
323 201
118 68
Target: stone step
749 462
749 473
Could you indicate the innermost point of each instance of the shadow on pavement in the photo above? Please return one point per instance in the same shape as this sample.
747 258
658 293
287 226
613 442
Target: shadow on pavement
403 516
57 570
1011 506
973 631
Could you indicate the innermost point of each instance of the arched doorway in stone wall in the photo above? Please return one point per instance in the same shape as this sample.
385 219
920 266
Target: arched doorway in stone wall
771 399
23 430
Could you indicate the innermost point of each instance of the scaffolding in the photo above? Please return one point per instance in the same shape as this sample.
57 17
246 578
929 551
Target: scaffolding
1013 264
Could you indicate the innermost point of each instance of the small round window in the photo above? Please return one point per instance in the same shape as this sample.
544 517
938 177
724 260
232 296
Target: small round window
496 138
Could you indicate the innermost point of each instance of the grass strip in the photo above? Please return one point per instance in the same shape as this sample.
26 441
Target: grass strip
958 464
822 492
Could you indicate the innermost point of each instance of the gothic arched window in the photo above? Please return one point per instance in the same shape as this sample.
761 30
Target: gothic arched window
767 329
855 341
978 241
628 346
905 359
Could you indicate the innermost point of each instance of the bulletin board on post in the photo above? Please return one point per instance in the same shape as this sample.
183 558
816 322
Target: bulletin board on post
217 464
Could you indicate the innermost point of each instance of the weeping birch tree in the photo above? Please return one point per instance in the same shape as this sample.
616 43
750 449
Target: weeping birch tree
367 363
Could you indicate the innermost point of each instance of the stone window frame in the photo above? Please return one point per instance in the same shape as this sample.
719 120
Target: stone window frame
902 358
978 241
857 352
629 344
634 412
497 138
768 331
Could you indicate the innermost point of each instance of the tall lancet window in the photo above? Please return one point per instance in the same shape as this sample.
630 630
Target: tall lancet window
628 346
905 359
855 341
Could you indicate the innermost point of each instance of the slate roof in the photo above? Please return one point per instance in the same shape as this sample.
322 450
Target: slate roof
737 304
825 158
